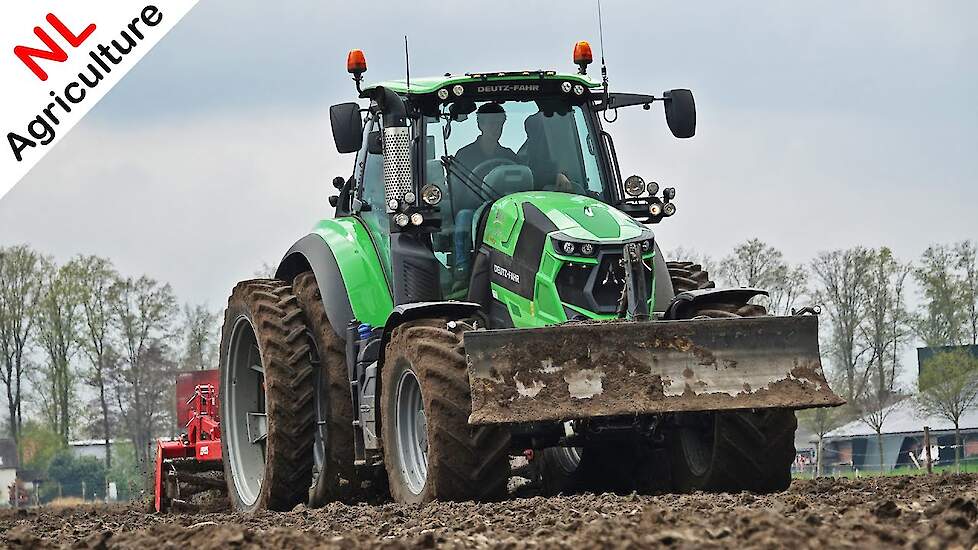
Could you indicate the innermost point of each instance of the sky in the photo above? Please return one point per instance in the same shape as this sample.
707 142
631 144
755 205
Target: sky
820 125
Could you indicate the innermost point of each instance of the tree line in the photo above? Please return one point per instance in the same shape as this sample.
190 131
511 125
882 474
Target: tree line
91 353
868 322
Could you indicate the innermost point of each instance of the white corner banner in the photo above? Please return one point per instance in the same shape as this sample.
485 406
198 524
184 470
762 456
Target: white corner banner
58 59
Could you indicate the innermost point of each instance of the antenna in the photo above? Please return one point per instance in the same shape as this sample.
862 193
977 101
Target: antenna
604 69
407 64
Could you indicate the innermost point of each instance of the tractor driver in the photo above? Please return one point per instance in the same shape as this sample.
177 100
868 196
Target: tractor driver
490 118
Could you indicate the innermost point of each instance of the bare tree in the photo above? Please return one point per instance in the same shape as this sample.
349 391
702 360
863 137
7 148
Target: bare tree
98 281
21 282
949 387
840 275
789 286
942 320
752 264
59 330
967 263
199 338
266 271
143 310
821 421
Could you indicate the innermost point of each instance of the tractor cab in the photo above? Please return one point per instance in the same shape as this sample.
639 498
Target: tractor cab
438 156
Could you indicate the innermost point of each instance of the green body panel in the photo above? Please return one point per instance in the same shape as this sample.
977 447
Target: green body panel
427 85
363 275
605 224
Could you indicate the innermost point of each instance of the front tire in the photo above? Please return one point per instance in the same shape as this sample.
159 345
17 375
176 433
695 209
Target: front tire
733 450
266 392
430 451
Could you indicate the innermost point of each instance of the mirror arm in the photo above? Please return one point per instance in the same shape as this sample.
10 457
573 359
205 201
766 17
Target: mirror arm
619 100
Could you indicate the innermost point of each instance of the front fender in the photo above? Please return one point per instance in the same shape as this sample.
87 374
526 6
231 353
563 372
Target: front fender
684 302
349 273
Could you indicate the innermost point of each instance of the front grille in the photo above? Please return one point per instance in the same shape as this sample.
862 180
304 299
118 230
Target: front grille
595 287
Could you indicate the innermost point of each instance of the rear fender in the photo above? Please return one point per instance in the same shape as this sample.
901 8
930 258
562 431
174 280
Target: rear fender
348 271
685 303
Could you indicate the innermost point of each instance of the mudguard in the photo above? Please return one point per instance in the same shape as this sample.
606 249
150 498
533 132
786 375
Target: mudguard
684 302
349 273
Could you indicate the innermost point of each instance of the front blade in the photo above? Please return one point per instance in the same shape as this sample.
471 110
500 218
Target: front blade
582 370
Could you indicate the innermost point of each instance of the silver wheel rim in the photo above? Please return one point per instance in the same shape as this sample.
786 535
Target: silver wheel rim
411 428
697 444
322 404
567 458
245 423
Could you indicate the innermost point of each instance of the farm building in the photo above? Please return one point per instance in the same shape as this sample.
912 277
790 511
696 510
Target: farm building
854 445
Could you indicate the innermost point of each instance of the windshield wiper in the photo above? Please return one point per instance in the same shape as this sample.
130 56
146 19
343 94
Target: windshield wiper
455 167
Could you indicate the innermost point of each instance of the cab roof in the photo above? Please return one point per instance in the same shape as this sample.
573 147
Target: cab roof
427 85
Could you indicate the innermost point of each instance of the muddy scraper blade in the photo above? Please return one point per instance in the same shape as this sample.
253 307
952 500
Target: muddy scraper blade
582 370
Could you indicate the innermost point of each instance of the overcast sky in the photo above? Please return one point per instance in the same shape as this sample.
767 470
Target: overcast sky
820 125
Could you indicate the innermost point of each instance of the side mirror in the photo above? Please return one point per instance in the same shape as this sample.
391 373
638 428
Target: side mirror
347 126
680 112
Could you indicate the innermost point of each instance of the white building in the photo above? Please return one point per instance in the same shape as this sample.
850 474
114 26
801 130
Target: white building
8 469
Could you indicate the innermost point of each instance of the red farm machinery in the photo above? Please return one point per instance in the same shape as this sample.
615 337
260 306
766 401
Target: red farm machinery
192 463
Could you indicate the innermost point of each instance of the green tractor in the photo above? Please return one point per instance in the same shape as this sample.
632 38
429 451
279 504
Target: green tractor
490 288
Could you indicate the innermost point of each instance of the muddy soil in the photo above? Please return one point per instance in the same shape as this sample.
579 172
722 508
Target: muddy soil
940 511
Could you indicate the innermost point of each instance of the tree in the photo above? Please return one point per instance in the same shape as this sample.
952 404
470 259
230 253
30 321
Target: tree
98 281
948 388
756 264
967 263
78 476
21 282
59 326
199 338
942 321
821 421
143 311
684 254
841 288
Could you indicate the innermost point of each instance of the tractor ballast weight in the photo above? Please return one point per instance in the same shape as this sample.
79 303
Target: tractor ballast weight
181 465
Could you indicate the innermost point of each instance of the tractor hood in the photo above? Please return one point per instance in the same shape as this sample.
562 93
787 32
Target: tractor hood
575 216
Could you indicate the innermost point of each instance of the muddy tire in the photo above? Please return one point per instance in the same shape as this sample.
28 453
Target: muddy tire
334 477
688 276
430 451
266 392
733 451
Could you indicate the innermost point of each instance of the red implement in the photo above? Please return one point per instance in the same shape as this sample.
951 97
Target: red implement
181 464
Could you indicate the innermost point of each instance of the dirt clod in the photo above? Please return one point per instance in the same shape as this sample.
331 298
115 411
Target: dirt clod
916 512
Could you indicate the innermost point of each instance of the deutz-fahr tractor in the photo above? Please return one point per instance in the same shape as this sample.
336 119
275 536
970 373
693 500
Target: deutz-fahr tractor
490 288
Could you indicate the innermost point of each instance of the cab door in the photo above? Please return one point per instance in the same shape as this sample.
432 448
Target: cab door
369 196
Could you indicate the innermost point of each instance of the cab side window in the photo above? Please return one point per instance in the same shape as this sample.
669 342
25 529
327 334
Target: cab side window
370 176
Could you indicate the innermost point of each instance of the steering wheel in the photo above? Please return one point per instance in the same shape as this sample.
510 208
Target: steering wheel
483 168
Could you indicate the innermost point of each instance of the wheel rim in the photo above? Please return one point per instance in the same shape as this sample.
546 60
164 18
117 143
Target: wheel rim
322 403
697 444
246 423
567 458
412 432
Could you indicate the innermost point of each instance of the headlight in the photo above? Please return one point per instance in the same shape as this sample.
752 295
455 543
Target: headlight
401 219
587 249
634 185
653 188
669 208
431 194
567 248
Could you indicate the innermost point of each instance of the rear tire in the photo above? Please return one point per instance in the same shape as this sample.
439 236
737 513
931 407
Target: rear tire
430 450
736 450
266 374
334 477
688 276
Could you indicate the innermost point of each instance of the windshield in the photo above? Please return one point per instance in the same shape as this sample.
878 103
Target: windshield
480 151
498 148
